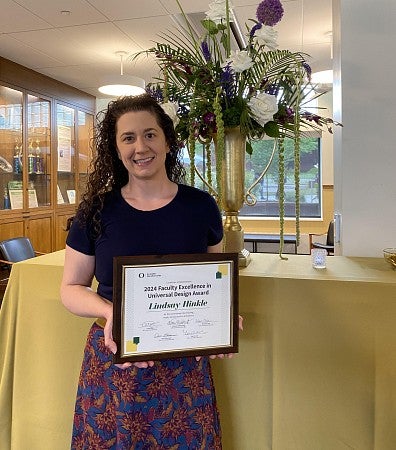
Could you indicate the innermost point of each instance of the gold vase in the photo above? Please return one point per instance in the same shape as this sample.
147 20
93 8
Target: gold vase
232 192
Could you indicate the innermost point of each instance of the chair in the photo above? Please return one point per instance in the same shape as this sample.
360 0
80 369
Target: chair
14 250
329 245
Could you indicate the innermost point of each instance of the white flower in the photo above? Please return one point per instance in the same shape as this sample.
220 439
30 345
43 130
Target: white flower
171 108
267 36
263 107
240 60
217 11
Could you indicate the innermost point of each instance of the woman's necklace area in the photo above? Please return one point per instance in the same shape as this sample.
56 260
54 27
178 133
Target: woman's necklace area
150 203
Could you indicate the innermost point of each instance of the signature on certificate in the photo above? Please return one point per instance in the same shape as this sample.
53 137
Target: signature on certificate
178 323
194 334
165 336
149 325
204 322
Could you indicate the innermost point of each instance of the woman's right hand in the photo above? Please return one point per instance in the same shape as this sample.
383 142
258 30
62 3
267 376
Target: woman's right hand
112 346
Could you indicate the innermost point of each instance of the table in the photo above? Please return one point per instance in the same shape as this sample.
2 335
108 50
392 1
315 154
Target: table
257 238
316 368
41 347
317 362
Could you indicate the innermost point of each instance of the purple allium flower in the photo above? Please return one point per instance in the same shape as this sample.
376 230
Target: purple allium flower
205 51
269 12
254 29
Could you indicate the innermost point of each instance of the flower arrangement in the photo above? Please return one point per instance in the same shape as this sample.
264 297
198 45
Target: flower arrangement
207 87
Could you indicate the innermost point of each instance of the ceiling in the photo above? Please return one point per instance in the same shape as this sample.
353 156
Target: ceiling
75 41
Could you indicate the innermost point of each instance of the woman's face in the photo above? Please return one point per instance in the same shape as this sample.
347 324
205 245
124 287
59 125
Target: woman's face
141 145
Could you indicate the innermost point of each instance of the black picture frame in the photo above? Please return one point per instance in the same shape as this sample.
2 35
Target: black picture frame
131 271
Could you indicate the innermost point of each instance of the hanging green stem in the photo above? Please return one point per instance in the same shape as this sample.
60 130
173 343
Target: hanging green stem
208 154
297 148
191 153
191 141
281 200
219 143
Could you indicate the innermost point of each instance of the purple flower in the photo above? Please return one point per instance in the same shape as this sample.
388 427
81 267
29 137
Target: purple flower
205 131
227 81
205 51
269 12
209 118
254 29
308 70
311 117
272 89
285 115
155 92
289 112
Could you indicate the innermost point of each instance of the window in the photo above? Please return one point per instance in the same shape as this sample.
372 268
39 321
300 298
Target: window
266 191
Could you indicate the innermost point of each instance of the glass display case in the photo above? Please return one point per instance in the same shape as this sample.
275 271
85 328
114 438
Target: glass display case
24 161
11 149
85 125
38 151
74 129
66 173
45 154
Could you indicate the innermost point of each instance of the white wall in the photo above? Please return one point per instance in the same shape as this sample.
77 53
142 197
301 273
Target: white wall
365 102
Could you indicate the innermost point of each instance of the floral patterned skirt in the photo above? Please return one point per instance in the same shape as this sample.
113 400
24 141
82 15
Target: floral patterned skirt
171 405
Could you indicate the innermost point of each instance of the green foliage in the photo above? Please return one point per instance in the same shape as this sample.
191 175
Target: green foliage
215 89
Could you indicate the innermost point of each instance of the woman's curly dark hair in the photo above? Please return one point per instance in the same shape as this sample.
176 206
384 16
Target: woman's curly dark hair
108 171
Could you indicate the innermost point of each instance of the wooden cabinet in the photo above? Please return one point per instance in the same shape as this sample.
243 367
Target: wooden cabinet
45 152
61 218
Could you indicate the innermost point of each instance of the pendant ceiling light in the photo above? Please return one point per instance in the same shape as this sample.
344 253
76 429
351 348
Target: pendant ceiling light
323 81
322 77
119 85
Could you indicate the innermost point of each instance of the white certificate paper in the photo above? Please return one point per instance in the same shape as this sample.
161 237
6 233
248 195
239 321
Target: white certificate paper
64 149
187 308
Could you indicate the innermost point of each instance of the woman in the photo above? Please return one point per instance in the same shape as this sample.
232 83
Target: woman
135 204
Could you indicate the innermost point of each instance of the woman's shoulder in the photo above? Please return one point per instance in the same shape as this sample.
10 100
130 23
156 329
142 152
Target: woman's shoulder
112 199
106 205
113 195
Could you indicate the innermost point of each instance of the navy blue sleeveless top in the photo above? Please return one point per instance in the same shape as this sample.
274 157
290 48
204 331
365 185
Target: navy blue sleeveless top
188 224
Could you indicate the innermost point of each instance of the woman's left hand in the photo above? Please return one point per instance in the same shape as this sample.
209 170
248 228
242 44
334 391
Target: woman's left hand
224 355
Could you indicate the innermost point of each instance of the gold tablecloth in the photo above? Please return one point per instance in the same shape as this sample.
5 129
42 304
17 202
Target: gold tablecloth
316 368
41 347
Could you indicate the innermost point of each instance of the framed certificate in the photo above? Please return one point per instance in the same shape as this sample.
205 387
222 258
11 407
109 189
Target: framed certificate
71 195
168 306
16 198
